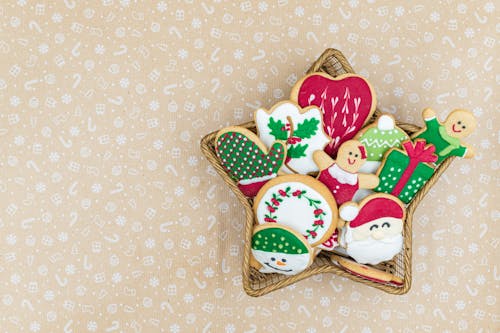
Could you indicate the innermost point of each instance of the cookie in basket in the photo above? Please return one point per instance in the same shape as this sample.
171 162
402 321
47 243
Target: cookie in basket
247 160
366 272
347 101
300 202
341 176
378 138
277 248
446 137
301 129
404 172
374 229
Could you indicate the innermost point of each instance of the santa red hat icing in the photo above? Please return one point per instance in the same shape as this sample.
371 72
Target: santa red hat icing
377 208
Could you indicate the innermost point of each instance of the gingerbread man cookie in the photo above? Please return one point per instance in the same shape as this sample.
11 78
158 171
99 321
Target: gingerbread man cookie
341 175
301 129
374 230
247 160
446 137
277 248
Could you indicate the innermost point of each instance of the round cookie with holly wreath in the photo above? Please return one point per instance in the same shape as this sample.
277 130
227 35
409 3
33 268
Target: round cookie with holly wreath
279 249
300 202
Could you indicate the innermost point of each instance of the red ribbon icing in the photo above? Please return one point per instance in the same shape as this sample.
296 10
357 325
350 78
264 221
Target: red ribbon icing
417 152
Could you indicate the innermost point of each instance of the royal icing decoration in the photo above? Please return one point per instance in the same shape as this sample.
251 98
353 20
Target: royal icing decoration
378 138
301 129
347 101
446 136
279 249
247 160
403 174
341 176
300 202
330 243
373 233
366 272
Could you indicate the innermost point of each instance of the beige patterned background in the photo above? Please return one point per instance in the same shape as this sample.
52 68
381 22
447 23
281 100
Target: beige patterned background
112 221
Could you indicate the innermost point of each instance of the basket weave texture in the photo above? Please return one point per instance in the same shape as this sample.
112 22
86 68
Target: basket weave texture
255 283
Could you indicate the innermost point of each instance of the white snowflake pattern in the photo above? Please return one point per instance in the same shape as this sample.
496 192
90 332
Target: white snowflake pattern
399 11
15 101
480 279
398 92
124 82
149 243
489 7
99 49
70 269
238 54
121 139
154 282
120 220
35 326
66 98
201 240
182 53
40 187
154 105
435 17
299 11
333 28
15 279
158 144
116 277
188 298
54 156
161 6
57 18
353 3
175 328
375 59
192 160
62 236
456 62
230 328
96 188
469 32
43 48
262 87
19 140
208 272
205 103
74 131
92 326
262 6
11 239
178 191
196 23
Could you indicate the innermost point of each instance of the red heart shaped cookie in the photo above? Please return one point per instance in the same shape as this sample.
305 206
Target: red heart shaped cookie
347 101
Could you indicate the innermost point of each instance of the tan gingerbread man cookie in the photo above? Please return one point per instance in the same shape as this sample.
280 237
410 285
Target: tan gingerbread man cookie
446 136
341 175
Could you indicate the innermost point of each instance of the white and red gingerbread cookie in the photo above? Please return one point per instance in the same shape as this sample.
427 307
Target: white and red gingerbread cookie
341 176
300 128
373 232
347 101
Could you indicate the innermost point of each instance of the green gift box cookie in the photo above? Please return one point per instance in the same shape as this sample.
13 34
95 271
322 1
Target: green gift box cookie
403 173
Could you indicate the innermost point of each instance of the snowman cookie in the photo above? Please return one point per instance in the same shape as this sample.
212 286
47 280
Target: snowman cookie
374 229
378 138
247 160
300 202
446 137
341 175
279 249
366 272
301 129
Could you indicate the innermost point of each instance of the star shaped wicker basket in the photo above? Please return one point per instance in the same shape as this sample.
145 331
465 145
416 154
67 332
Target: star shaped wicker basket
255 283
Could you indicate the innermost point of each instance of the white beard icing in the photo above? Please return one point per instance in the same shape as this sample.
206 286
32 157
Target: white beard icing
372 251
342 176
295 263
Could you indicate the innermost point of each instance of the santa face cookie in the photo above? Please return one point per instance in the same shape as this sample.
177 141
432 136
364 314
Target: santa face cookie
279 249
374 230
446 136
299 202
378 138
347 101
301 129
341 176
246 158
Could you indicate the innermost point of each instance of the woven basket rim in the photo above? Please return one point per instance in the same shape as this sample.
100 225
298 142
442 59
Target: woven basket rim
323 64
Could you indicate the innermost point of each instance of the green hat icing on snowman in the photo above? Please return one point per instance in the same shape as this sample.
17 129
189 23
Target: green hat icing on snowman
278 240
377 140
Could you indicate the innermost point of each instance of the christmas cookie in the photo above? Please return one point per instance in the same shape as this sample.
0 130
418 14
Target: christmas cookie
300 202
301 129
403 173
378 138
446 136
366 272
330 243
247 160
373 232
347 101
341 175
279 249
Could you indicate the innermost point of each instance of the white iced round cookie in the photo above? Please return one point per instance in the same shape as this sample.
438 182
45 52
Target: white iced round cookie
301 129
300 202
280 249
